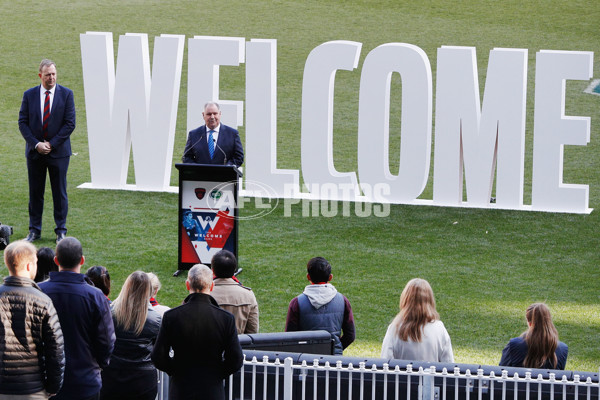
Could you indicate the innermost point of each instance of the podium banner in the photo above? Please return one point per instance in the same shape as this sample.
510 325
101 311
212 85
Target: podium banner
208 217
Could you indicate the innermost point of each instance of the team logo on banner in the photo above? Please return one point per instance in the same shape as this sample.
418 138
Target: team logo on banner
216 194
200 192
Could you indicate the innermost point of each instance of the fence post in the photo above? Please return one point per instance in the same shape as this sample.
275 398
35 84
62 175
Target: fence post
288 373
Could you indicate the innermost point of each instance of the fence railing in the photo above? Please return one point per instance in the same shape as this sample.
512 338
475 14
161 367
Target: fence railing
287 380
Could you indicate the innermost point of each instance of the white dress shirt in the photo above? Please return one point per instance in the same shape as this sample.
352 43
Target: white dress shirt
43 97
215 134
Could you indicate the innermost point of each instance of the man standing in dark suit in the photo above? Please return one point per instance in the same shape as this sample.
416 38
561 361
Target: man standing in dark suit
46 121
203 340
213 143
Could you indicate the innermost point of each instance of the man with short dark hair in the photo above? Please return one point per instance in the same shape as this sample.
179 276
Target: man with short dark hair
231 295
203 339
322 307
86 322
32 358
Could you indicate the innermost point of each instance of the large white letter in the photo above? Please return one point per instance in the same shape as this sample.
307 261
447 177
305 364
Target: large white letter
98 63
317 115
261 124
552 130
463 133
205 55
373 120
153 162
131 108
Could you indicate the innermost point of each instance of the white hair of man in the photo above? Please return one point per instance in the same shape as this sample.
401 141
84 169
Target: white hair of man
212 103
200 278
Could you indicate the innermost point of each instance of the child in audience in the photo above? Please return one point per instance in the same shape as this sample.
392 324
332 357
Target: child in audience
100 278
45 264
159 308
416 333
538 346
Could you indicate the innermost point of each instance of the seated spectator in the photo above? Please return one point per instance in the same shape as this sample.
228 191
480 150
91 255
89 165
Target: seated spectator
231 295
155 288
100 278
131 374
538 346
416 333
45 264
321 306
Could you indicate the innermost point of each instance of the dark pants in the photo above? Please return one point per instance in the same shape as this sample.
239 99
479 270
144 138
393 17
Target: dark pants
56 168
59 397
129 384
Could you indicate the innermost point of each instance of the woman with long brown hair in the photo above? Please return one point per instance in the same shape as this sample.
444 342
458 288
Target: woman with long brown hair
131 374
416 333
538 346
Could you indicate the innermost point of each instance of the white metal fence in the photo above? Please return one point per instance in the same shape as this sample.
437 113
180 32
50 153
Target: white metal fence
273 379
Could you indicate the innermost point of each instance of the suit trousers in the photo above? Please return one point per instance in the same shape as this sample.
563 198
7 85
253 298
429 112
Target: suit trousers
56 168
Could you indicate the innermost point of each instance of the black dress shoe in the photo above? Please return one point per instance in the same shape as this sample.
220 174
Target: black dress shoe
32 236
60 236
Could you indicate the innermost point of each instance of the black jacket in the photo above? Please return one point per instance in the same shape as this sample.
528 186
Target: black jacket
133 351
32 355
131 371
205 347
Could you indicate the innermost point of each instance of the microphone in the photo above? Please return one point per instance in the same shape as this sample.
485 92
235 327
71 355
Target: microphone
191 147
224 155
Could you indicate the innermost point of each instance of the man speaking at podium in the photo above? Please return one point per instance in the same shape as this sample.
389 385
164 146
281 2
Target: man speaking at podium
213 143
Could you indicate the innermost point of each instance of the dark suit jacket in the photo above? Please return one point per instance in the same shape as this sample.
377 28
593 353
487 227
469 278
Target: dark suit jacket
196 148
206 348
60 125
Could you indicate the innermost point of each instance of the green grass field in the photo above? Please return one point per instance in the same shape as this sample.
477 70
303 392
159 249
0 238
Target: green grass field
485 266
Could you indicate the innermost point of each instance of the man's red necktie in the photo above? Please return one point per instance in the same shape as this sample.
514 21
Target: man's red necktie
46 115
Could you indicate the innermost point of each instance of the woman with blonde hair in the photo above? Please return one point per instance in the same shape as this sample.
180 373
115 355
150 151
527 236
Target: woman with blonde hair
416 333
538 346
131 374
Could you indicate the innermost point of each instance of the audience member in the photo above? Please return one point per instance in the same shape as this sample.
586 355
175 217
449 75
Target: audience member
100 278
32 361
203 339
131 374
86 323
320 306
231 295
45 264
538 346
159 308
416 333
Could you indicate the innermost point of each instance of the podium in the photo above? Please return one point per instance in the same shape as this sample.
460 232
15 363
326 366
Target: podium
208 213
